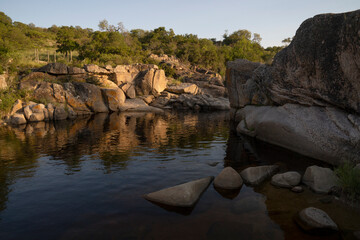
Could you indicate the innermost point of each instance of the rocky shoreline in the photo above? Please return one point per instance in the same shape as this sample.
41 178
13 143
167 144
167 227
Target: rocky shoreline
64 92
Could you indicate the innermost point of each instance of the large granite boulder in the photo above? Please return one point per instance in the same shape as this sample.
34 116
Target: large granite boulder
60 69
328 134
309 95
91 95
183 195
114 98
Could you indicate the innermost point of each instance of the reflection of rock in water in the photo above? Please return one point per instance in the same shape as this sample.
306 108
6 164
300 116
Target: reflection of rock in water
111 137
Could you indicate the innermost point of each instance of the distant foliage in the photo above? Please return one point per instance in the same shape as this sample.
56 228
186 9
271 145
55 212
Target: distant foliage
113 44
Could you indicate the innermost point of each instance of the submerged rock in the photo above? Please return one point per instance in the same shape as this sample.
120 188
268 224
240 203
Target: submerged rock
320 179
286 180
228 178
297 189
183 195
314 220
255 175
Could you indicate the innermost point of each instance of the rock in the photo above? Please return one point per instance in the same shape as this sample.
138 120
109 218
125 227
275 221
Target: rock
90 95
92 68
18 119
320 179
255 175
31 81
314 220
54 68
297 189
205 102
75 70
38 108
151 81
3 83
46 114
71 113
183 195
60 113
328 134
109 68
148 98
189 88
74 100
241 88
129 90
286 180
114 98
37 117
107 84
18 105
27 112
311 91
138 105
228 178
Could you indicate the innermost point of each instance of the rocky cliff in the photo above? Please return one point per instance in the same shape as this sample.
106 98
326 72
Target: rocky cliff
308 100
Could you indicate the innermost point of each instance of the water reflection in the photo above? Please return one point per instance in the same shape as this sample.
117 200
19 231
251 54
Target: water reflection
84 179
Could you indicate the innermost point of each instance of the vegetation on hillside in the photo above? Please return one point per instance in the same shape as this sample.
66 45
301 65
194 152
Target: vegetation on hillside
25 45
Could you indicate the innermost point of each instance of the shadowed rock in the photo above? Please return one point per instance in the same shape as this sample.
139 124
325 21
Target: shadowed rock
314 220
286 180
228 178
320 179
256 175
183 195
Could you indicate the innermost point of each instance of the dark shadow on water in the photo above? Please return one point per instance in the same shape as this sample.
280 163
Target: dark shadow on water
186 211
227 193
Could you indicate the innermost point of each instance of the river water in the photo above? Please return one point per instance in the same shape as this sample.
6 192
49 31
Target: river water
85 180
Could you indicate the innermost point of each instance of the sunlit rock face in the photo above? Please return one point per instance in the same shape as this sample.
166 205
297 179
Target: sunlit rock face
309 97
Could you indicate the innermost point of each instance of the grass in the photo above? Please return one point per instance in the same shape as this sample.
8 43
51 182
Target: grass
349 178
8 98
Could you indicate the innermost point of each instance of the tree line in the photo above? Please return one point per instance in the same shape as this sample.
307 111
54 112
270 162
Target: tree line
113 44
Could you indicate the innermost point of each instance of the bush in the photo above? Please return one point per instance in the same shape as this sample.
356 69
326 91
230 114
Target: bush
349 178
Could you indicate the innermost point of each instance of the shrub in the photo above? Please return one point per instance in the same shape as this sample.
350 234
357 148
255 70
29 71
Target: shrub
349 178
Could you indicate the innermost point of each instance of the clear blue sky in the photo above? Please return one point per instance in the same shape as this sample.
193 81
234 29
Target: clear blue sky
274 20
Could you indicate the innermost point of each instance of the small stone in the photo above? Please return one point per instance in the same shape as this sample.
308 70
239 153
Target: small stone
286 180
228 178
255 175
297 189
183 195
314 220
60 113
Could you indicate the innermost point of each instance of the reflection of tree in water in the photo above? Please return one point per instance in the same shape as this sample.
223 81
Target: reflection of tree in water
17 159
111 138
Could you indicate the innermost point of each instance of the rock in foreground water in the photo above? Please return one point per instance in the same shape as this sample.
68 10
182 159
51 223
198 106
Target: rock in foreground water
255 175
286 180
228 178
320 179
183 195
315 220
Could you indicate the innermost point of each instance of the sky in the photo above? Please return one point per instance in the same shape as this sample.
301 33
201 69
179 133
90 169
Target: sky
274 20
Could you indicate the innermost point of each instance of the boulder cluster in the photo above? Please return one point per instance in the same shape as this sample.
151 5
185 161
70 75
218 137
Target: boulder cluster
312 220
65 92
308 99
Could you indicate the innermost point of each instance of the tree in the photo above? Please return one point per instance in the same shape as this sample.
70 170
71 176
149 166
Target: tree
65 39
105 26
236 36
286 41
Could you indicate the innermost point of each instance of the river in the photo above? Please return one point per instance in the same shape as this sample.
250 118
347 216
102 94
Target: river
85 179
